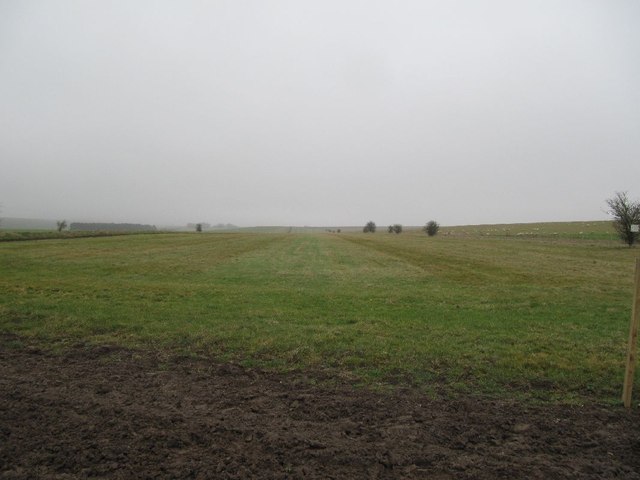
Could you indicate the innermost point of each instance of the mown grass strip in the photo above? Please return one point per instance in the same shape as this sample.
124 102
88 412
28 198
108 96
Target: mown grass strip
501 316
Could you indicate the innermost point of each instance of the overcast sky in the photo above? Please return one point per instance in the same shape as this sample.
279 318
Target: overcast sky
318 112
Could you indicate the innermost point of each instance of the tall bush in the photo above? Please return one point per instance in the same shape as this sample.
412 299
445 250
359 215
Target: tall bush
431 228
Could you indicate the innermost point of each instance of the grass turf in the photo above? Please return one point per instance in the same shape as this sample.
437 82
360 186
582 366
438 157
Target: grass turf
538 316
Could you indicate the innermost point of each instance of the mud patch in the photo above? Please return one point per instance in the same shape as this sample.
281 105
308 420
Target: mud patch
107 412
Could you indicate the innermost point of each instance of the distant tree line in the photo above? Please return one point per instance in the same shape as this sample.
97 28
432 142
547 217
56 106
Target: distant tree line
208 226
431 228
111 227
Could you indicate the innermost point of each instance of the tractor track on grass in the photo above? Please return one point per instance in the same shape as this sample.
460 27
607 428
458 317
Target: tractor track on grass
109 412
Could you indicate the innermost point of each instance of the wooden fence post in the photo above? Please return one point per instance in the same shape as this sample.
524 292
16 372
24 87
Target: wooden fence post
633 337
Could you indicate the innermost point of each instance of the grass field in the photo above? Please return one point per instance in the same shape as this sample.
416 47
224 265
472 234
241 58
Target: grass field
538 316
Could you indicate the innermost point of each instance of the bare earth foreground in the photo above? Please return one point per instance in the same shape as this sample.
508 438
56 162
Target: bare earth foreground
108 412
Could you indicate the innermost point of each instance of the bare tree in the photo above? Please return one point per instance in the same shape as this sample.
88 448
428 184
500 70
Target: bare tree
62 225
625 215
370 227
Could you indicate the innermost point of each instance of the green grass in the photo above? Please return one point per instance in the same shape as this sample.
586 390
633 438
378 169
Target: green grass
538 317
19 235
594 230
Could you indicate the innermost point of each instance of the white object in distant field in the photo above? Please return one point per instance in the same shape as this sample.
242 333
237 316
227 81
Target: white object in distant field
635 228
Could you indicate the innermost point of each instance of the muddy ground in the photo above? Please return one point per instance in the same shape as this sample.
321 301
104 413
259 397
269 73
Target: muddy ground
106 412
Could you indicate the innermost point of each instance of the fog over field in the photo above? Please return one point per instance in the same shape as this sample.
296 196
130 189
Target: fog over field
318 113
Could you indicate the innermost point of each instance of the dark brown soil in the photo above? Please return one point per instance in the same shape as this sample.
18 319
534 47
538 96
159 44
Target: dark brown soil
113 413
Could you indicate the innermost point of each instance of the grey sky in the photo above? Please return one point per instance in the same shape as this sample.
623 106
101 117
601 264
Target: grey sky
318 112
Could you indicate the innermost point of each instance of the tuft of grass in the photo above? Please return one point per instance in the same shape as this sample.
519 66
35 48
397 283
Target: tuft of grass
539 317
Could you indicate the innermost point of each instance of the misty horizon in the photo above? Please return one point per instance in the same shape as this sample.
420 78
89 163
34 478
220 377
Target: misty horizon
318 113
